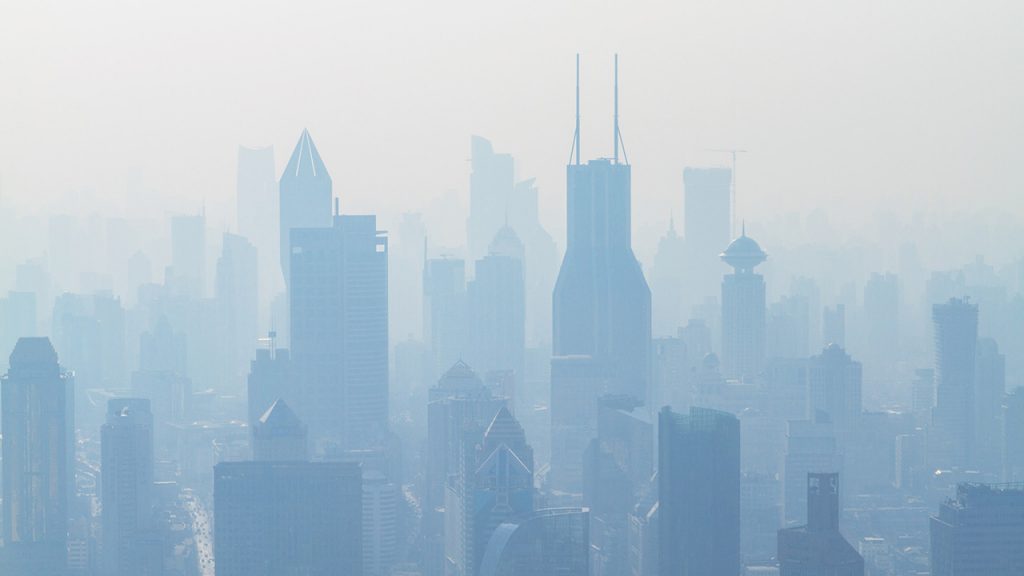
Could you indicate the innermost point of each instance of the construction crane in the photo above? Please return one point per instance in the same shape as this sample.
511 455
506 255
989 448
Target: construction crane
732 184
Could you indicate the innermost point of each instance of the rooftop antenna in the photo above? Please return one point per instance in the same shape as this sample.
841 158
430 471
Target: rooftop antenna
576 136
732 184
616 108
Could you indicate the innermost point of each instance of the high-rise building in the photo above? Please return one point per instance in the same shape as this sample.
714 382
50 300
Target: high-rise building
669 286
834 388
279 436
273 518
743 310
497 308
810 448
951 437
551 541
980 532
989 390
493 485
602 304
305 197
707 226
576 384
699 493
257 208
1013 430
882 318
491 185
126 443
339 330
38 423
818 548
236 290
270 378
444 311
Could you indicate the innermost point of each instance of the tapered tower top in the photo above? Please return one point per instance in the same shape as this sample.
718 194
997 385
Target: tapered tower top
305 161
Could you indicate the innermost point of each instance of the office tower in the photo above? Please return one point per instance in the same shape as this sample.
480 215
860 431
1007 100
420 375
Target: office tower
237 282
279 436
491 185
38 458
444 311
273 518
833 325
818 547
187 273
339 329
270 378
951 437
810 448
923 391
669 284
459 401
305 197
576 384
1013 431
707 226
382 495
551 541
743 309
882 318
257 206
497 308
699 493
126 443
601 302
540 261
834 388
980 532
493 485
989 390
760 516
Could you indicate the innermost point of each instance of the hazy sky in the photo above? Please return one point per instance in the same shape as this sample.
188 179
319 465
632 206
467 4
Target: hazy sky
851 106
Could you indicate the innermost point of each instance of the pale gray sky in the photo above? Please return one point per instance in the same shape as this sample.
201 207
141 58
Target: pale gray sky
849 106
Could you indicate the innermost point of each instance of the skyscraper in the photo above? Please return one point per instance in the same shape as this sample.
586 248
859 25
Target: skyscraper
980 532
707 226
127 468
236 289
551 541
602 305
743 309
38 454
497 307
951 437
305 196
818 547
273 518
989 390
810 448
834 388
576 384
444 311
257 207
699 493
491 185
339 328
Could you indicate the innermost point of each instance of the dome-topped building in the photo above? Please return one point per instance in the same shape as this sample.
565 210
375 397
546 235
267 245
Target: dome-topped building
743 254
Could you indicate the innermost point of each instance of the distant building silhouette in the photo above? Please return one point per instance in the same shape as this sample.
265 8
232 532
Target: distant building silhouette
305 196
951 436
258 210
882 318
491 186
833 324
699 493
551 541
818 547
576 383
279 436
270 378
834 388
811 447
187 274
238 302
743 310
989 391
130 544
273 518
445 304
339 330
38 422
707 226
980 532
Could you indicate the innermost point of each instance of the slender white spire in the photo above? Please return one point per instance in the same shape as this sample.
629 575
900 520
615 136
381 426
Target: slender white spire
616 135
576 138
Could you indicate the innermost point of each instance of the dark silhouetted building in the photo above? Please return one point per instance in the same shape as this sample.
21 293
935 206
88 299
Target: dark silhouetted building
550 542
126 442
743 310
818 548
274 518
980 532
699 493
38 455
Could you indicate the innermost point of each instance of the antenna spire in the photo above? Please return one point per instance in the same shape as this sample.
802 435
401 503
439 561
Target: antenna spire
616 136
576 138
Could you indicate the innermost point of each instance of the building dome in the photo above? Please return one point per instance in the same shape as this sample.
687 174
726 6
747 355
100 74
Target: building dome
744 253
